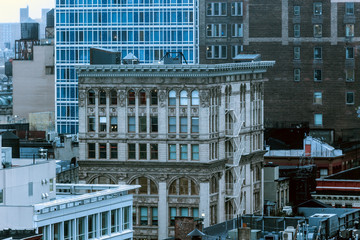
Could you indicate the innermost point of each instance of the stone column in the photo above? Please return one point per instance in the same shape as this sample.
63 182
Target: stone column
285 22
221 202
163 212
204 207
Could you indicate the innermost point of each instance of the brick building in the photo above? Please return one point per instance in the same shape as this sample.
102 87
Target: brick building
314 44
190 135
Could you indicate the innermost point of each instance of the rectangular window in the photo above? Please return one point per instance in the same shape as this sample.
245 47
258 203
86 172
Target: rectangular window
317 75
154 151
216 30
317 30
297 74
91 124
349 8
216 52
126 217
236 9
1 196
143 216
30 189
131 124
349 53
172 216
183 125
102 124
183 152
172 152
296 10
69 230
194 124
350 98
184 212
172 124
104 223
80 228
154 124
216 9
113 220
350 76
142 124
236 50
154 216
113 151
113 124
349 30
296 53
318 119
92 226
195 151
143 151
91 150
296 30
236 30
51 184
317 97
317 8
317 53
102 150
131 151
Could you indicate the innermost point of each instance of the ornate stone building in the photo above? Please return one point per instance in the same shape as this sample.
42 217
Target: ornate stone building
190 135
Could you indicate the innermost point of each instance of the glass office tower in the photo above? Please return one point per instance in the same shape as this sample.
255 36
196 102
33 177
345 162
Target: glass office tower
146 28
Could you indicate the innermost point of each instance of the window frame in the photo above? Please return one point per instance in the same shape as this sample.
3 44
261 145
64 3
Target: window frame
102 151
318 117
297 29
113 150
131 124
154 151
316 71
317 53
297 10
349 53
318 98
297 53
349 30
91 149
172 151
171 124
347 8
113 125
193 119
184 152
142 151
195 156
297 74
352 79
317 8
318 30
235 8
131 148
352 94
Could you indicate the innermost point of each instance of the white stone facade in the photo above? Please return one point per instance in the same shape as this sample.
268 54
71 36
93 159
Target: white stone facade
191 135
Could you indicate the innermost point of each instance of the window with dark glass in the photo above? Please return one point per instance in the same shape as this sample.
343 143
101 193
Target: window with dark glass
349 8
317 75
142 124
350 98
91 124
153 151
91 150
113 97
102 150
154 216
102 97
113 151
154 124
154 97
317 53
143 152
131 97
91 97
131 151
349 53
317 8
142 97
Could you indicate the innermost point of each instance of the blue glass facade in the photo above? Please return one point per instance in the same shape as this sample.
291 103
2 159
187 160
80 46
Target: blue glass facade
147 28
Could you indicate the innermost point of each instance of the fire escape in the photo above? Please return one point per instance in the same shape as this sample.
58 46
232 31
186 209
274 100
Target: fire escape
235 147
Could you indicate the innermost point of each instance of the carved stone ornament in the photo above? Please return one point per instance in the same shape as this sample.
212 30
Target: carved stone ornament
82 96
122 97
204 98
162 98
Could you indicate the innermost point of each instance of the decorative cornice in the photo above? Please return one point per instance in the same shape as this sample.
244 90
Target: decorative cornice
178 70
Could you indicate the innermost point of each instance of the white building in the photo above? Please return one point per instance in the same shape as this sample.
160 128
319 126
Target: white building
30 199
190 135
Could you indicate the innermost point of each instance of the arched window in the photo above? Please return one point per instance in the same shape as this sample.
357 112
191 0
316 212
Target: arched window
214 185
148 186
102 180
113 97
154 97
131 97
102 97
183 98
172 98
183 186
142 97
91 97
195 98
